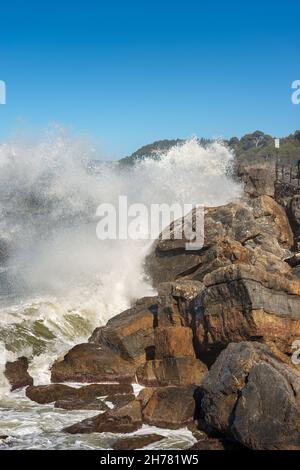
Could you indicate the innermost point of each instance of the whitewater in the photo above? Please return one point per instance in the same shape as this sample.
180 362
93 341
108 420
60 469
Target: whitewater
58 281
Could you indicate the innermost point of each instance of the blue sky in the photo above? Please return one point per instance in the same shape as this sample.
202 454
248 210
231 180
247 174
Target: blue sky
126 73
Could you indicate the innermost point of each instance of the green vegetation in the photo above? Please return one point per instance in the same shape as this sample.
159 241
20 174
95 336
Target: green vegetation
253 147
259 146
151 150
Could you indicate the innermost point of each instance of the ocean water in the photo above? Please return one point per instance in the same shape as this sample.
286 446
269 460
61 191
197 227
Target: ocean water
59 281
32 426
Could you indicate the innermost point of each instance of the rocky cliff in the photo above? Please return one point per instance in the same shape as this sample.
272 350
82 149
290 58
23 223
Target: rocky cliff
213 348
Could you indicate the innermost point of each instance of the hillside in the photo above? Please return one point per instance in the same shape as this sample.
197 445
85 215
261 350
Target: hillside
253 147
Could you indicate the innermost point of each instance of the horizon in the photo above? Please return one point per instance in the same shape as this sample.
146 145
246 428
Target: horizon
126 75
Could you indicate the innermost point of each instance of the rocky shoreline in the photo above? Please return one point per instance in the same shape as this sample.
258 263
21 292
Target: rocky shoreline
212 349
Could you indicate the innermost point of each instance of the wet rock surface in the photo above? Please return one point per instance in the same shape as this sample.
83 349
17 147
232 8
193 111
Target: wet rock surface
170 407
123 420
120 400
81 404
137 442
217 444
17 374
89 362
56 392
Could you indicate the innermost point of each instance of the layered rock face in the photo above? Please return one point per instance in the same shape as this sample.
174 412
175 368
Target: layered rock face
249 395
242 302
171 371
253 231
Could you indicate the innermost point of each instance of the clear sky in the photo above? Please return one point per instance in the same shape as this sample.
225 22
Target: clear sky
129 72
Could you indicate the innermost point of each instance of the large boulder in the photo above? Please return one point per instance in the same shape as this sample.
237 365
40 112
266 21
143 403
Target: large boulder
17 374
89 362
244 303
170 407
258 180
251 396
49 393
130 334
254 231
171 371
122 420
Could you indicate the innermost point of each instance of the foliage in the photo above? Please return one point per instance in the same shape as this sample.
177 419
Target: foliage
254 147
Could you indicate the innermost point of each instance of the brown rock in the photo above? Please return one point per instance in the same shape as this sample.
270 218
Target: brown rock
293 212
120 399
173 341
284 192
130 334
101 390
136 442
242 303
17 373
176 302
145 395
170 407
171 371
77 404
198 433
258 180
122 420
237 233
49 393
91 363
60 392
217 444
273 222
251 396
